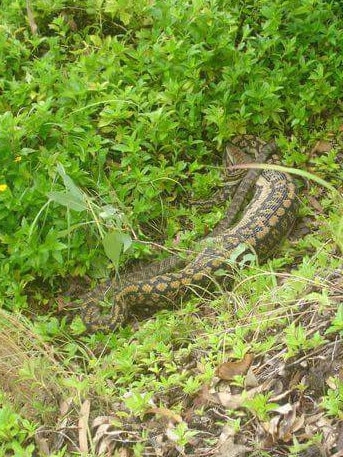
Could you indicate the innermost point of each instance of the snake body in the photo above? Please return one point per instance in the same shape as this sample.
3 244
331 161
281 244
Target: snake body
265 221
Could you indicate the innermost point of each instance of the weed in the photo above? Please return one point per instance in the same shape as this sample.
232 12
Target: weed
297 340
14 431
333 400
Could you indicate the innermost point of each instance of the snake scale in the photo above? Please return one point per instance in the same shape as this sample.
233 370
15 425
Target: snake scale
265 221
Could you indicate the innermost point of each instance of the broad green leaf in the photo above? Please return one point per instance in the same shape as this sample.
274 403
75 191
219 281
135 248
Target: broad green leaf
114 244
69 183
127 242
108 211
77 326
68 199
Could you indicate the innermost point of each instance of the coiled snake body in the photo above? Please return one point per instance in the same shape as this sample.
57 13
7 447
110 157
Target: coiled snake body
265 221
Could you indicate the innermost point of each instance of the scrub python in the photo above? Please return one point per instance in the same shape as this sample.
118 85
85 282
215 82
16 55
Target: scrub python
265 221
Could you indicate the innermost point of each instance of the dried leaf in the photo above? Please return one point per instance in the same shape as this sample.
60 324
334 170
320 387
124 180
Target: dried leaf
83 426
315 418
280 396
284 409
227 432
286 425
105 420
62 424
250 379
277 389
168 413
271 427
291 423
42 442
321 146
31 19
230 449
65 406
203 397
339 444
69 20
227 446
340 374
332 383
235 401
229 370
298 423
315 204
109 434
102 425
318 423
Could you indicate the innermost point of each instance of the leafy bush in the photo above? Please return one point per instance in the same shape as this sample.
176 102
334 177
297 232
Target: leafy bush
14 430
134 100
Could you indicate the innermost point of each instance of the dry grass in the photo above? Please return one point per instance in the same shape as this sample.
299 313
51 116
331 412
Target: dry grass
29 369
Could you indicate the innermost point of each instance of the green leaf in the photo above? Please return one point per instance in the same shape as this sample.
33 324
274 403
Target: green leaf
337 322
73 197
114 244
69 183
68 199
77 326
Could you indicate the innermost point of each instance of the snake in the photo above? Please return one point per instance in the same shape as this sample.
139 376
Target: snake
265 221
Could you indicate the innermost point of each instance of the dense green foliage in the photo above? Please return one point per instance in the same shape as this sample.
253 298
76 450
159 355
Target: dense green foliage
132 102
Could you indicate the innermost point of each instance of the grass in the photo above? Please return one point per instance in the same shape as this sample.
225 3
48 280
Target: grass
113 117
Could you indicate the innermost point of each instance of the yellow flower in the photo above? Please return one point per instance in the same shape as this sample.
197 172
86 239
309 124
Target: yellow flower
17 159
3 187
